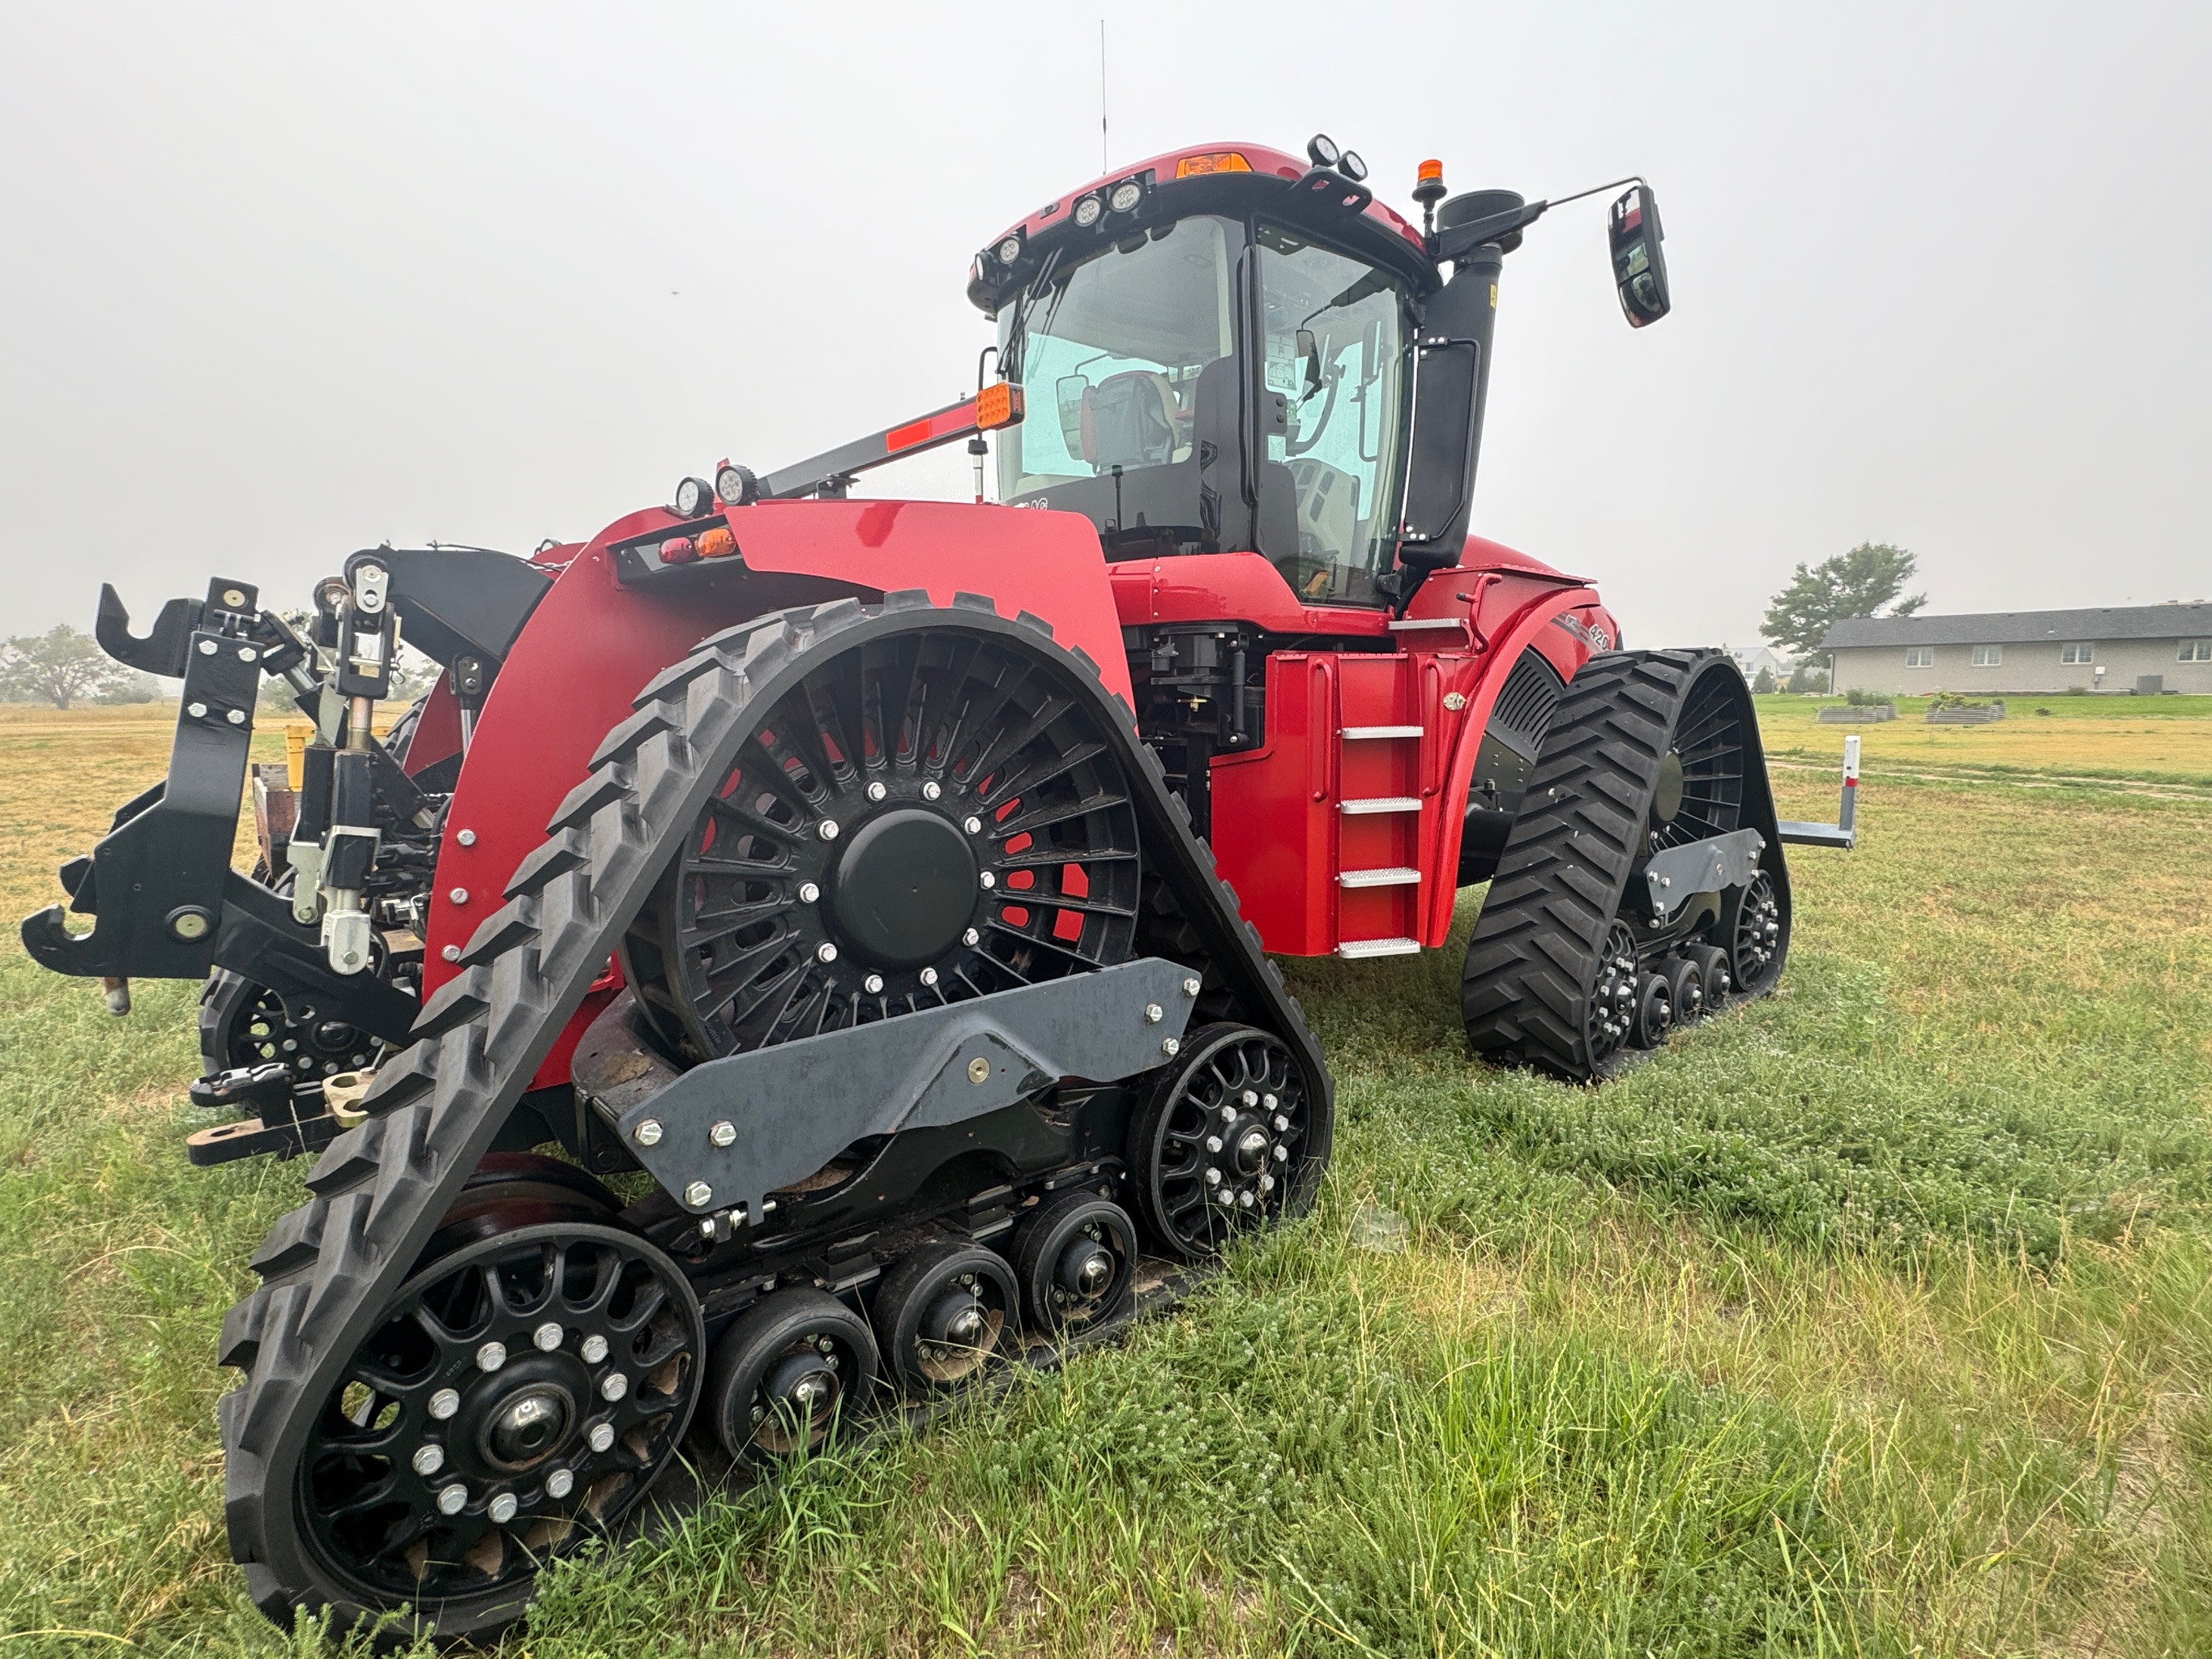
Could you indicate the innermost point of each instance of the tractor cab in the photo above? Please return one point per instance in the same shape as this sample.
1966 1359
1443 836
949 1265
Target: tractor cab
1215 356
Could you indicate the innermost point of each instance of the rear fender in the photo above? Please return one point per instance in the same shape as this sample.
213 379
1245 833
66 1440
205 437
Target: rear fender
593 643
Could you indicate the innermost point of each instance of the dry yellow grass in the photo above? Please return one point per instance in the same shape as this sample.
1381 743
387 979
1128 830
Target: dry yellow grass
2173 743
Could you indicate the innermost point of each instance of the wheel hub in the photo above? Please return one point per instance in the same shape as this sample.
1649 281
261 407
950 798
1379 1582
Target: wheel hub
805 1386
955 1320
516 1417
904 887
1667 796
529 1424
1086 1268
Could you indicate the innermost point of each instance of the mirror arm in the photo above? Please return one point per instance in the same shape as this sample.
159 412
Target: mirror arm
1458 241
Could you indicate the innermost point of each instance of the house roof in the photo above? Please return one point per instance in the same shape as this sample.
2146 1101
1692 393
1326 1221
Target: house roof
2128 621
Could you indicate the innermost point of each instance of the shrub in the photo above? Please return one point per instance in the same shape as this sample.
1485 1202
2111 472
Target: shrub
1860 697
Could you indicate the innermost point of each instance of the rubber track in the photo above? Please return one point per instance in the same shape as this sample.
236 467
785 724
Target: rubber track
1560 882
330 1267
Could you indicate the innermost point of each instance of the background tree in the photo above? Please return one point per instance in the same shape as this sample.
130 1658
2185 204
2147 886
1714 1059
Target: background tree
59 668
1854 584
1762 684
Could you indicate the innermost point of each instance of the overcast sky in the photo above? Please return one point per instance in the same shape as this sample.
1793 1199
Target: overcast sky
279 282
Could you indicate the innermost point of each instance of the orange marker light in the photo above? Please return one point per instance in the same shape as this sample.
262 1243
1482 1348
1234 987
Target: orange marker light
716 544
998 405
1429 184
1219 160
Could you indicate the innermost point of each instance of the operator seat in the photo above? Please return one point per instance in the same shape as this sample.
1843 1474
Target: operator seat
1130 421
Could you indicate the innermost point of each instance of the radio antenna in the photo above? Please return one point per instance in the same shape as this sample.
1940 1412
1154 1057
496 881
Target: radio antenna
1103 163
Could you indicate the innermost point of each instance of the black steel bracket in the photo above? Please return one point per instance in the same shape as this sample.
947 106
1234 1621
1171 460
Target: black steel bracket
1675 875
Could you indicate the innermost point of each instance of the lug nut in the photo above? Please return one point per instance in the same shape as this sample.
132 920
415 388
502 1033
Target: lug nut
1250 1098
723 1133
1228 1112
594 1349
453 1499
698 1194
444 1404
559 1483
930 791
1222 1195
601 1437
873 984
876 792
1244 1197
1154 1013
647 1133
503 1507
1214 1143
971 938
825 952
491 1356
973 826
429 1460
1266 1183
1268 1102
1213 1177
808 892
927 976
829 829
1282 1124
547 1336
1282 1155
613 1386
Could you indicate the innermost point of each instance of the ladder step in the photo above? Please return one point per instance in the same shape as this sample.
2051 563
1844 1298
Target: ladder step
1422 624
1351 733
1382 804
1356 949
1398 876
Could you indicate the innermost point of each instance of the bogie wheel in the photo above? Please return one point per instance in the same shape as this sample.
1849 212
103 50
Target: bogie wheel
1221 1142
1686 988
1654 1011
796 1367
1610 1011
924 819
1757 934
1713 969
515 1399
944 1314
1076 1257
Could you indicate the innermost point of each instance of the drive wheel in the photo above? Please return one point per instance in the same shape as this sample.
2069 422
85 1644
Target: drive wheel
922 819
514 1400
1221 1141
796 1369
944 1314
1076 1261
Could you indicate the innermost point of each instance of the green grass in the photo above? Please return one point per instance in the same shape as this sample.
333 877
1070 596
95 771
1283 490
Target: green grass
1872 1320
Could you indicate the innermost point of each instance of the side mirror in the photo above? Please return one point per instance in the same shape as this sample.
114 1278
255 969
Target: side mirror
1639 263
1067 398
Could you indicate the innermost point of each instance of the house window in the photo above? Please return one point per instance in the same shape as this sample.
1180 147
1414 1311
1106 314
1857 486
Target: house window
2077 653
1919 656
1988 656
2196 651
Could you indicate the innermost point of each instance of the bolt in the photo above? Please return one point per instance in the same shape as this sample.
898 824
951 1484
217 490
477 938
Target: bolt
1222 1195
876 792
444 1404
808 892
491 1356
429 1460
198 711
988 880
613 1386
823 1343
648 1134
1282 1155
825 952
1154 1013
559 1483
979 1070
927 976
453 1499
973 826
245 653
1245 1198
723 1133
1249 1099
233 596
698 1194
459 895
594 1349
503 1507
1268 1102
873 984
207 648
971 938
1214 1143
1190 987
1228 1112
1212 1175
547 1336
930 791
602 1437
236 717
1170 1047
1282 1124
829 829
451 953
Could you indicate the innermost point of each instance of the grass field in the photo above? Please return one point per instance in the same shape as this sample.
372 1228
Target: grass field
1872 1320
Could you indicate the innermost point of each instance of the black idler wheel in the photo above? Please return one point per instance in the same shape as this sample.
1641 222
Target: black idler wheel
1654 1011
1713 969
517 1396
944 1314
921 821
1076 1257
797 1368
1686 988
1220 1143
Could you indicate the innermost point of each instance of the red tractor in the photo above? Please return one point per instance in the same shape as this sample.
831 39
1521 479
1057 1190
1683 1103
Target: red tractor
860 872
